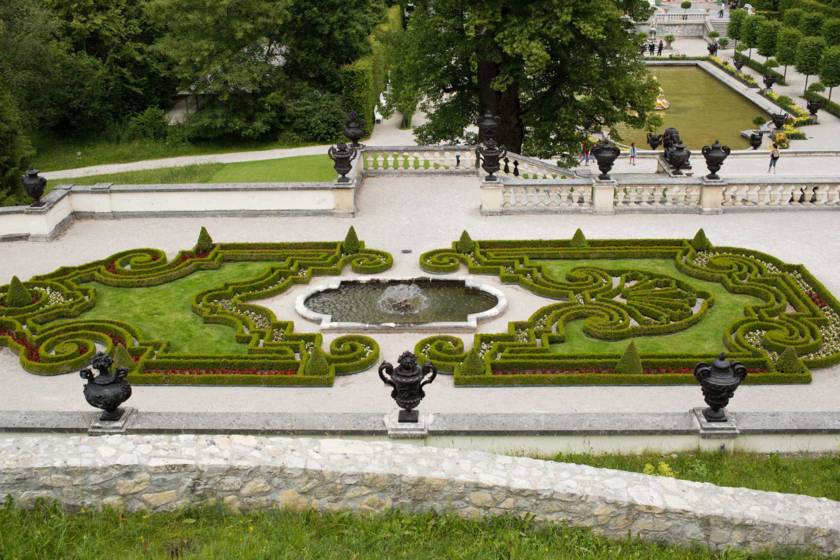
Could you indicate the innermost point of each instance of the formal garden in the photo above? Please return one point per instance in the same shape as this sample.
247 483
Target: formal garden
385 279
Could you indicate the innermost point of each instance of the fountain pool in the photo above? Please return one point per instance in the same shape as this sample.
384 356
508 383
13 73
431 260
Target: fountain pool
403 304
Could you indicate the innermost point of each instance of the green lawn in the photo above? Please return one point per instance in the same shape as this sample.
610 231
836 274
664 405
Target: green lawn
817 476
702 108
165 312
50 534
706 336
53 153
285 170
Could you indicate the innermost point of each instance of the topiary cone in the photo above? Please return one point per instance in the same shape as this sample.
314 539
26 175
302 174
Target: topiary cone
578 239
351 242
630 362
204 244
789 362
122 358
316 364
17 295
465 243
700 241
473 364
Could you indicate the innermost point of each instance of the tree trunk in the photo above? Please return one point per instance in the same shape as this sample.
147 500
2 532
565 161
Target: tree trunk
505 104
784 76
807 77
829 93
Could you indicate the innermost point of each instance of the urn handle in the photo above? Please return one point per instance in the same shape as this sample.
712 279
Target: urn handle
702 371
740 370
121 373
386 367
86 374
428 367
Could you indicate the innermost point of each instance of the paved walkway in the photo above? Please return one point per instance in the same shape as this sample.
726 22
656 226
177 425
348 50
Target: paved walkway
419 214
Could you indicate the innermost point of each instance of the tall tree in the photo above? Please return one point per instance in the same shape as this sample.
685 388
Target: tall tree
550 69
786 44
768 32
792 17
831 31
749 33
735 29
811 23
14 149
830 68
808 56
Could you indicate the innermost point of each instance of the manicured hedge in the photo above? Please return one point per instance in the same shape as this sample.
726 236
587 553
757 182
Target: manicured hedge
761 68
523 354
56 340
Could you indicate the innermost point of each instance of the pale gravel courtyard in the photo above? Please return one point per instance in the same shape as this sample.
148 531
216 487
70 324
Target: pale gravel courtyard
422 213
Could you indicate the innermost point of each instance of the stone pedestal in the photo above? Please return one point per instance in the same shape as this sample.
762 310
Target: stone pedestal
492 197
603 196
407 430
711 195
101 428
715 430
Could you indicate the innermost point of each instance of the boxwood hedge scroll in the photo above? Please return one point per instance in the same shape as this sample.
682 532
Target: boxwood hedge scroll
52 336
791 310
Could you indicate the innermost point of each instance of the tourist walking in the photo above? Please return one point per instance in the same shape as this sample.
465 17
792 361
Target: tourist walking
632 153
775 154
584 153
651 48
659 48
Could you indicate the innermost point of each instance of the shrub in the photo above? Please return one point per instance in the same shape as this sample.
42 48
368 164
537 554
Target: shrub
316 363
685 5
811 23
351 242
789 362
314 116
151 124
792 17
578 239
473 364
204 244
17 295
630 362
465 244
700 241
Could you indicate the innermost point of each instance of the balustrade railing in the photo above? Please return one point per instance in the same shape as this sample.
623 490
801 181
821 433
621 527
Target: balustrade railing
418 159
688 16
782 195
527 196
657 197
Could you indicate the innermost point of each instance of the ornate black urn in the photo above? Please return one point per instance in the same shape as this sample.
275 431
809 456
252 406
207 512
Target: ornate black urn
755 140
488 126
719 382
654 140
34 185
779 120
676 154
106 391
605 154
738 64
407 382
491 153
814 105
354 128
715 154
769 81
712 48
342 156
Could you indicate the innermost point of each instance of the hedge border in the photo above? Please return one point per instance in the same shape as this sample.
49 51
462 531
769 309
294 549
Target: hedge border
50 338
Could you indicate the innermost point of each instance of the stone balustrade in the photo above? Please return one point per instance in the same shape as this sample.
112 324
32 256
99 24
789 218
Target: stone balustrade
655 193
381 160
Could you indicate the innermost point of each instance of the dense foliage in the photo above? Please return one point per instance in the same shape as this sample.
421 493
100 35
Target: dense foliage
14 149
551 69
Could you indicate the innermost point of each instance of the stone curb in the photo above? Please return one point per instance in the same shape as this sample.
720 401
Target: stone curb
161 472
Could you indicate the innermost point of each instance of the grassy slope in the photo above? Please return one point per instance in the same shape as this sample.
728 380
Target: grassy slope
55 153
285 170
165 312
47 533
792 474
706 336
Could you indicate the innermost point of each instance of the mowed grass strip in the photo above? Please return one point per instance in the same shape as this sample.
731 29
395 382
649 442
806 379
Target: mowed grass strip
48 533
299 169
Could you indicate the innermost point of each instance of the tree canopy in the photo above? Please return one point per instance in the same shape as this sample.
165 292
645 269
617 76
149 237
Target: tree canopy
552 70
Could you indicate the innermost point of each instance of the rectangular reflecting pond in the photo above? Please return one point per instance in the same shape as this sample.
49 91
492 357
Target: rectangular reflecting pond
702 108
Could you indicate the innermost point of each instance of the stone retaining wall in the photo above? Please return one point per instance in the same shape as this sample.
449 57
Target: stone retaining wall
165 472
